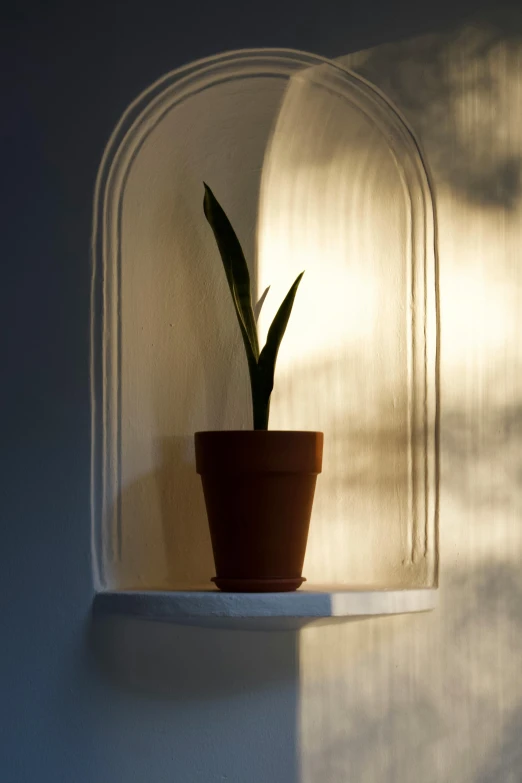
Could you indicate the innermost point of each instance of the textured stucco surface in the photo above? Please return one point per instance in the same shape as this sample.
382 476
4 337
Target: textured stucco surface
434 697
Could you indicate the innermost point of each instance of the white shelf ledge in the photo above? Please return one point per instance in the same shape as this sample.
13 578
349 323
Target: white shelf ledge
263 611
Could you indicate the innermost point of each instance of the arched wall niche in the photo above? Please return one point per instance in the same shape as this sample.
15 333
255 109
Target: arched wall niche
317 171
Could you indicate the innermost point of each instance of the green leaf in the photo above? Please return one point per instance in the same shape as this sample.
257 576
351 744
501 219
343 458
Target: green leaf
261 366
264 377
236 270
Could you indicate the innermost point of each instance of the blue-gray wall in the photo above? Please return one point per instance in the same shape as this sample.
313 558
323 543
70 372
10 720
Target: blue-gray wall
122 703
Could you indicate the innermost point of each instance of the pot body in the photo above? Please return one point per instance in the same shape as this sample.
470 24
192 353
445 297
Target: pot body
259 488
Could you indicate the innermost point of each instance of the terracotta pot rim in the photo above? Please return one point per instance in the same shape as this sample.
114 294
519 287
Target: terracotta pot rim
259 432
263 451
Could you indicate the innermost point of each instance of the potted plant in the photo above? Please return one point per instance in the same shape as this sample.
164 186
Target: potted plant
258 484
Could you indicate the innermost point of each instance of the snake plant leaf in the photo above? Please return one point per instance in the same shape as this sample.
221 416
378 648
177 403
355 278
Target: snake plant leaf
268 356
261 366
259 305
236 270
252 359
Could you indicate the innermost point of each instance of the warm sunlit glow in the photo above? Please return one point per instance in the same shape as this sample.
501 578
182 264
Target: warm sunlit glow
437 698
296 153
334 204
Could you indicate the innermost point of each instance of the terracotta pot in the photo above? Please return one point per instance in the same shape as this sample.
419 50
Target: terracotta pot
259 489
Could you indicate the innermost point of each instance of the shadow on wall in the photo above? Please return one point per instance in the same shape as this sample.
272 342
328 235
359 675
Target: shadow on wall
506 764
459 115
404 728
496 448
183 663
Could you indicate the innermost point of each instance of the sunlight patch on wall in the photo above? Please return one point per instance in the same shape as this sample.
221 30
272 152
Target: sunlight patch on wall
438 697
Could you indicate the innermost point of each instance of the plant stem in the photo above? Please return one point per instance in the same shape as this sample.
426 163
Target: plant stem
261 413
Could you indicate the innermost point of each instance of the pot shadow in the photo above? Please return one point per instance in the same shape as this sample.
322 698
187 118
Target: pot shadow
165 536
186 536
